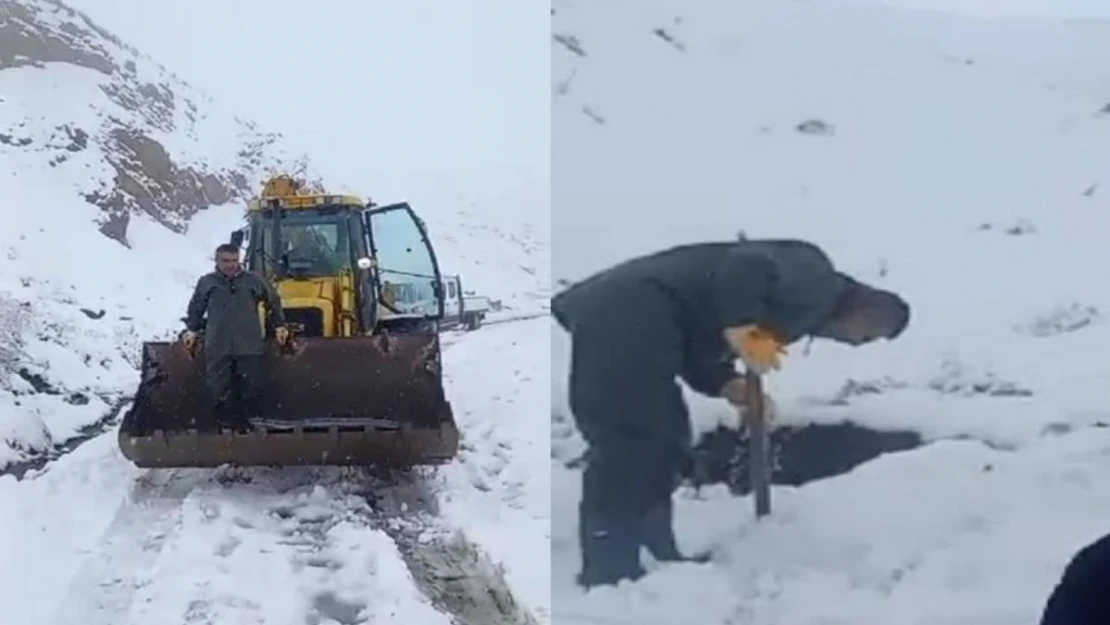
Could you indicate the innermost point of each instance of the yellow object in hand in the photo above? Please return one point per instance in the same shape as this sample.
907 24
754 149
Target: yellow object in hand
757 348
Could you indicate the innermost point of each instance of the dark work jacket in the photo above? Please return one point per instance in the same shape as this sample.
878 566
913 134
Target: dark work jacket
231 304
786 286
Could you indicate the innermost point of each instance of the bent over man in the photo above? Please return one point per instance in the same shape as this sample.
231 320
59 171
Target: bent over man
234 342
686 312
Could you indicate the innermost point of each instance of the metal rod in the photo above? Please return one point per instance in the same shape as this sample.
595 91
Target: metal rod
759 461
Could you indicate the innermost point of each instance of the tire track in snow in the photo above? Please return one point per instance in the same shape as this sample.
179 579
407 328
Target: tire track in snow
447 567
339 546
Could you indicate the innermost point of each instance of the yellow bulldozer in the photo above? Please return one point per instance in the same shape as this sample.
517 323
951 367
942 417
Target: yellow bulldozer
360 382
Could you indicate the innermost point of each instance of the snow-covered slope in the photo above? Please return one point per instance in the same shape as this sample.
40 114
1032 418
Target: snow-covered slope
106 156
958 160
445 105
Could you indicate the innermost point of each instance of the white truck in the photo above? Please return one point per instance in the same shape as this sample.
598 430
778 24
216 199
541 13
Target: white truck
462 308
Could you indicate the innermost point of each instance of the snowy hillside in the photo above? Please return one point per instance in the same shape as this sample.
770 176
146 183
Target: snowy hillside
120 180
106 157
958 160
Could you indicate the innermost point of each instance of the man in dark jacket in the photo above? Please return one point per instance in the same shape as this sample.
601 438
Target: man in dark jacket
234 341
1080 597
686 312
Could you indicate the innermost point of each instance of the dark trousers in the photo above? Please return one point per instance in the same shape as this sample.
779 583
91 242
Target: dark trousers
1081 597
234 382
630 410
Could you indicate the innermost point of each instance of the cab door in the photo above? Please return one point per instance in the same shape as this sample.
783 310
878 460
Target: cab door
407 278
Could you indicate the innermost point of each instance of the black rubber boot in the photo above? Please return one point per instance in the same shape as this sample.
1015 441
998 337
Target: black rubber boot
657 535
229 415
610 552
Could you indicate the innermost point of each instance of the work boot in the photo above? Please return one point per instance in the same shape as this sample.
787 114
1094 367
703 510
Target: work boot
657 535
610 553
215 419
228 415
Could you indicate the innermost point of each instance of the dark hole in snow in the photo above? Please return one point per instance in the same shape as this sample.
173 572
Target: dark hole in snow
799 455
93 314
1105 109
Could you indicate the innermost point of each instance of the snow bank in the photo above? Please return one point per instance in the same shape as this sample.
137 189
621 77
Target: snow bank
954 533
86 304
499 490
959 161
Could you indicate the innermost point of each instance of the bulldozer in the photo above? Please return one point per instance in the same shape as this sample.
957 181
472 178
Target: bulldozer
360 381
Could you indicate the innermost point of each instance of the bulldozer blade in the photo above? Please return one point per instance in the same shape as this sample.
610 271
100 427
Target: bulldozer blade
326 401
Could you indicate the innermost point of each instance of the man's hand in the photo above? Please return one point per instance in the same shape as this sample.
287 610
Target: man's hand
189 340
736 392
281 333
757 348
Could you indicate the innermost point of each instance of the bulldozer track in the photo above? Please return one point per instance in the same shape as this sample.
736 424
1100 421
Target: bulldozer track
447 567
304 517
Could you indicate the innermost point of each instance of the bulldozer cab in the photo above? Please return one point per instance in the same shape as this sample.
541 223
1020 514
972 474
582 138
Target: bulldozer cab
384 252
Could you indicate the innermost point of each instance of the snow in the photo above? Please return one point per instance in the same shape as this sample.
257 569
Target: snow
963 166
500 489
100 541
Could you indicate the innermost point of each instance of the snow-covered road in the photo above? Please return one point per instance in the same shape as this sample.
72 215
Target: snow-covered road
93 540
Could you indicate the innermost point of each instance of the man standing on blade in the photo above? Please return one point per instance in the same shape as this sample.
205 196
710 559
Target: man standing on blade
234 342
686 312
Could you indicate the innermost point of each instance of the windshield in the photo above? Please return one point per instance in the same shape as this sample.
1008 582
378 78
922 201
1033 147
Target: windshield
311 244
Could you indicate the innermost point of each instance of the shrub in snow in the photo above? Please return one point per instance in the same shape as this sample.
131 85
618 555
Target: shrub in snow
14 319
1062 319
